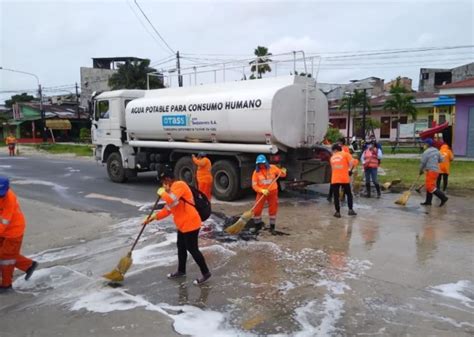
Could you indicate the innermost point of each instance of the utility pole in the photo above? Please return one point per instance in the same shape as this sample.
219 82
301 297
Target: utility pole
43 119
178 66
349 119
363 114
77 102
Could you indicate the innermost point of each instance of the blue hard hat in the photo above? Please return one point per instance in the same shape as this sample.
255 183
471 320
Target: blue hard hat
261 159
4 185
201 154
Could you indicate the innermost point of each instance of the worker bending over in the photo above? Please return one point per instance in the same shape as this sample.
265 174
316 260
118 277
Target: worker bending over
204 174
180 203
12 228
444 166
264 183
430 166
341 167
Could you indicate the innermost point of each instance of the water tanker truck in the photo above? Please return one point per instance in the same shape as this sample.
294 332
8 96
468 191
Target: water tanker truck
284 118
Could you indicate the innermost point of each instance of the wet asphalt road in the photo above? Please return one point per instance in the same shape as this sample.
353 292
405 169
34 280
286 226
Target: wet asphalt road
76 184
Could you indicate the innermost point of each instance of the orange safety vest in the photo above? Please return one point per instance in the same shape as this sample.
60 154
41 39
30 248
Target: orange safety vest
204 166
262 179
445 165
370 158
10 140
340 165
346 149
185 216
12 220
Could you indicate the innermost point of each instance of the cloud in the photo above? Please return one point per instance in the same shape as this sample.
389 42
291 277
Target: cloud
289 43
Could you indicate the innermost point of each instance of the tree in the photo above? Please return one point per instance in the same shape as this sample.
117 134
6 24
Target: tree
400 101
354 101
133 75
24 97
260 65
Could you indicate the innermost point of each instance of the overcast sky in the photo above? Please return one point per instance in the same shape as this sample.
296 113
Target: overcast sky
54 39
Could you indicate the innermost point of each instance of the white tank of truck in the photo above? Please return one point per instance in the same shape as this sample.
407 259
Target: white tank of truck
282 111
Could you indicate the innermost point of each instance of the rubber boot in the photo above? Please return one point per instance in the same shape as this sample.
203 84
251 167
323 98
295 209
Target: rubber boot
442 196
272 229
377 187
429 198
367 188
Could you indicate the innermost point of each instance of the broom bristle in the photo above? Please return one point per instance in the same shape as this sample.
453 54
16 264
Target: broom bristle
403 199
114 276
236 227
124 264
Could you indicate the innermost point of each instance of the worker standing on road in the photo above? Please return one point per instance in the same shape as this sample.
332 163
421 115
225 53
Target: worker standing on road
11 143
204 174
430 166
180 203
341 166
370 160
444 166
264 182
12 228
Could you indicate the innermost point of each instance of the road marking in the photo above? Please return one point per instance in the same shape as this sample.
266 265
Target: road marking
110 198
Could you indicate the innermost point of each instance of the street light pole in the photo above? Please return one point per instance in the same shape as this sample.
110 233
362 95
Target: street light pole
40 93
349 117
363 113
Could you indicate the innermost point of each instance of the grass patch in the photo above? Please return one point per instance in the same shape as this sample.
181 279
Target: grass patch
78 150
461 176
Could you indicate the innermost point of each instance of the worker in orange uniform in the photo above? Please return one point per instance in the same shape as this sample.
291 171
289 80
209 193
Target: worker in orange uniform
11 143
204 174
341 171
12 228
430 161
264 182
180 203
444 166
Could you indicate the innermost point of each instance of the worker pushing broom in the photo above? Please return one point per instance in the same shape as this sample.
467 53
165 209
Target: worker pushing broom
264 183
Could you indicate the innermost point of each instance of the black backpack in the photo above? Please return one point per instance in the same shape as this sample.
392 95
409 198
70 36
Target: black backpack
201 203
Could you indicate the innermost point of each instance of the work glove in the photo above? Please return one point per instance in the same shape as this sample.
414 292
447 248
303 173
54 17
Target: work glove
148 219
265 192
283 170
350 173
160 191
421 172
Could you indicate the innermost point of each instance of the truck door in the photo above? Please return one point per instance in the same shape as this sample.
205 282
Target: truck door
102 120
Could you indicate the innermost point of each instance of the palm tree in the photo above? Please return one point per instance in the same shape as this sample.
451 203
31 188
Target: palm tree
133 75
352 102
400 101
260 65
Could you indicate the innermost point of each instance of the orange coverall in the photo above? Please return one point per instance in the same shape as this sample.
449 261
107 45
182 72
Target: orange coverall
445 165
12 228
261 180
204 175
11 142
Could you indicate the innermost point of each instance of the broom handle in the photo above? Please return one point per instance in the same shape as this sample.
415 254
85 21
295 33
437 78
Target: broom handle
263 196
143 224
414 183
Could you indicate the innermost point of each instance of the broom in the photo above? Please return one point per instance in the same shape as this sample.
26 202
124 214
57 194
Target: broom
117 275
406 195
237 227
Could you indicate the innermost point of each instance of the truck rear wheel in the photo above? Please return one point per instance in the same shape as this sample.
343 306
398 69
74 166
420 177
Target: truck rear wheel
115 168
226 180
184 170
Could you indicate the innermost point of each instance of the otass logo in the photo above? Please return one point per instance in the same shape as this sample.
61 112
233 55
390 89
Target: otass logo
175 120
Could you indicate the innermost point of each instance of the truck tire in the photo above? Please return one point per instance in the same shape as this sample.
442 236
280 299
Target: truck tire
226 180
115 168
184 170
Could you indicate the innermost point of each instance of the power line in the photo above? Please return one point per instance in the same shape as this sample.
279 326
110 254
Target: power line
156 31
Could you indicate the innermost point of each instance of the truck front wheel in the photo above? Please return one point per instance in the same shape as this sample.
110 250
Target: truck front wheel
115 168
226 180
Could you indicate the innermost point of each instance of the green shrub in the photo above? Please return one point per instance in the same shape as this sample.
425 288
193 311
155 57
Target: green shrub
333 135
85 135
